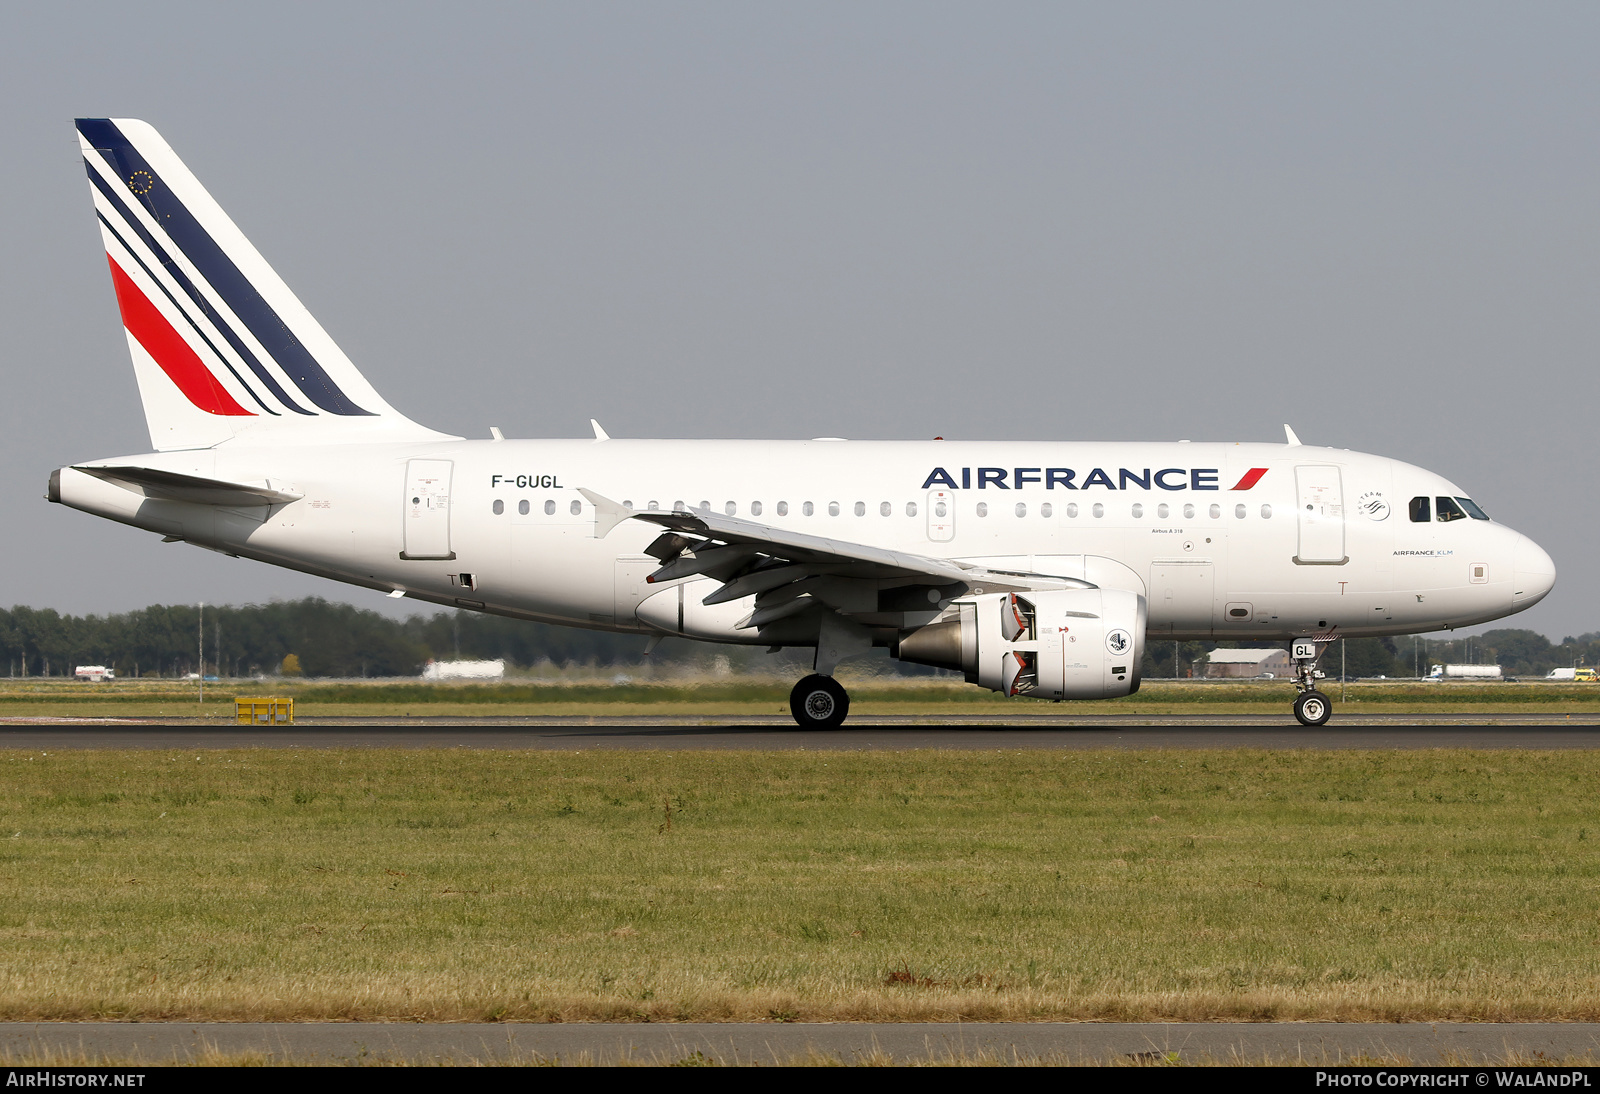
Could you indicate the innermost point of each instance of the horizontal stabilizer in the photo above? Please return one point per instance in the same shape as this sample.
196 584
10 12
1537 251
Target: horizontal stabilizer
171 486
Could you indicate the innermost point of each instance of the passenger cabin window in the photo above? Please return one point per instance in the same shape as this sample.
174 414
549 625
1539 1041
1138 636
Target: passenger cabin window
1472 509
1046 510
730 508
1238 511
808 508
783 508
884 509
833 508
861 508
1138 510
499 507
983 508
1447 509
1099 510
549 508
911 508
1072 509
523 507
1216 512
1022 508
1162 510
1421 511
576 507
755 509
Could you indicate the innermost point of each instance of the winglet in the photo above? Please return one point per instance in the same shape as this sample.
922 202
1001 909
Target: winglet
599 434
607 513
1292 440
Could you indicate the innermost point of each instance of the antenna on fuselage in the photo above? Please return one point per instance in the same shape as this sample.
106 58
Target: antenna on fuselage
1293 441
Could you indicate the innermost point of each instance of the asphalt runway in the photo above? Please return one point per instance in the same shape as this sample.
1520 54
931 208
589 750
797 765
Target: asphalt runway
1132 732
773 1043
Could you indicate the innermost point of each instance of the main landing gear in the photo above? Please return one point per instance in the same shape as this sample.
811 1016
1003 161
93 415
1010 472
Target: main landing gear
819 702
1311 707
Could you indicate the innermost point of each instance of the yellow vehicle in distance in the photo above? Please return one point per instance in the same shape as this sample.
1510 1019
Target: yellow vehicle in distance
1584 676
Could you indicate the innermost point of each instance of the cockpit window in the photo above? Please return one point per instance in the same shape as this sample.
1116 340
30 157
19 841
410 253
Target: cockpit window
1472 509
1449 510
1421 511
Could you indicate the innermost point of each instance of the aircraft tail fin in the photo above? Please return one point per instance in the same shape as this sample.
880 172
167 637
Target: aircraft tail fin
221 347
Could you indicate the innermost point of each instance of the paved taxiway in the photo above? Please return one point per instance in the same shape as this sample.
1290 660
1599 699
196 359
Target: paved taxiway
767 1043
1398 731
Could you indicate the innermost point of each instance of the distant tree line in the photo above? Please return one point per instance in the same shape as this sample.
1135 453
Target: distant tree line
330 639
1517 652
323 638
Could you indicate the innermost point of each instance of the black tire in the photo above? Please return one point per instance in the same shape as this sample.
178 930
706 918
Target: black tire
819 702
1312 708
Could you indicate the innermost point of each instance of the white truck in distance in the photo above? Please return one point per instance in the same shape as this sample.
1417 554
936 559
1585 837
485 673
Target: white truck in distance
1562 674
98 674
1464 672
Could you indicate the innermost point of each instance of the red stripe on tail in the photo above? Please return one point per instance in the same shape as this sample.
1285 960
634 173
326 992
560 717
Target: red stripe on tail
1251 477
181 364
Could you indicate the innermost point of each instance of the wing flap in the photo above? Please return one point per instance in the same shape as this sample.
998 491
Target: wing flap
788 572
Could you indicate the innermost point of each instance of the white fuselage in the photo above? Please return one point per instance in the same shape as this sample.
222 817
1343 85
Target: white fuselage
1321 542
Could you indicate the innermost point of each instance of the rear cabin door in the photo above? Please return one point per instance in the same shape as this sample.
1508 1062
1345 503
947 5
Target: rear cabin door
1321 515
427 509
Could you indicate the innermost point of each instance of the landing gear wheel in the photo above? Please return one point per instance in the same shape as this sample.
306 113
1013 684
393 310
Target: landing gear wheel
819 702
1312 708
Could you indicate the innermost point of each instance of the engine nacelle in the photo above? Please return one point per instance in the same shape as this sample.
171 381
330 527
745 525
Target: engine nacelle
1057 644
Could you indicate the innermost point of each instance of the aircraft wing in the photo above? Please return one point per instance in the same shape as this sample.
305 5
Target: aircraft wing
789 572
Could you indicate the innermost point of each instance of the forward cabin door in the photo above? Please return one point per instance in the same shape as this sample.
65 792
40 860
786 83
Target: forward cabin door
1321 515
427 509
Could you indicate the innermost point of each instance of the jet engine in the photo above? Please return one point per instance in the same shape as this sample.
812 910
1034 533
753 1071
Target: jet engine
1056 644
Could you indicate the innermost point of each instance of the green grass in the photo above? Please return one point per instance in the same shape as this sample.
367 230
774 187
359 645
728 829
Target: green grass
386 699
792 886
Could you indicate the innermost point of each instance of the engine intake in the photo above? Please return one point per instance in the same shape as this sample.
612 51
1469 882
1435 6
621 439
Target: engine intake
1057 644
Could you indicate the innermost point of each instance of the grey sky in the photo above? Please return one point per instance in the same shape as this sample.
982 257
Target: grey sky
1377 222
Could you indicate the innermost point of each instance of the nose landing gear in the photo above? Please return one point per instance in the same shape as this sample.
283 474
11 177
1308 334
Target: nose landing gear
1311 707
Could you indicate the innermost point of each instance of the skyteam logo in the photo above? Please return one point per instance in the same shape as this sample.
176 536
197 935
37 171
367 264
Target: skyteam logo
1067 478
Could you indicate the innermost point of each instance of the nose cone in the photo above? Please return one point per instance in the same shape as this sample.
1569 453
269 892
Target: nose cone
1533 573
